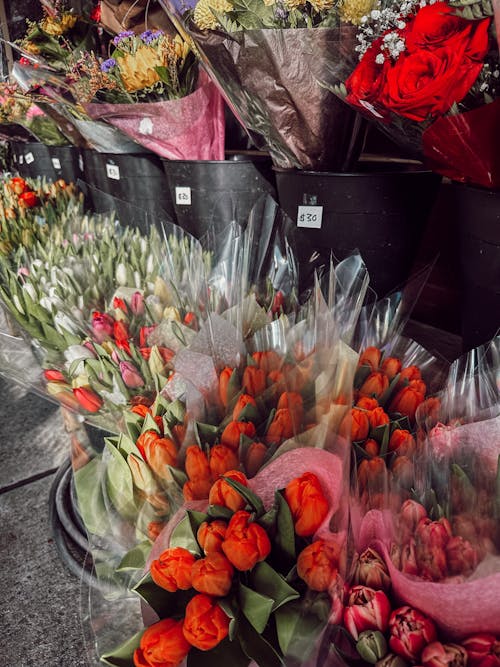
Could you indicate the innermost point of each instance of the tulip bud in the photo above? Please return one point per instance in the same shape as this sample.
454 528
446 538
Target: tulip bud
211 535
172 314
410 631
371 646
155 362
224 495
370 357
391 366
406 402
367 403
137 303
131 375
378 417
234 430
461 556
241 403
162 291
391 660
410 515
88 399
437 654
402 471
222 459
255 456
483 650
254 380
121 274
402 442
374 385
370 570
356 425
366 609
318 564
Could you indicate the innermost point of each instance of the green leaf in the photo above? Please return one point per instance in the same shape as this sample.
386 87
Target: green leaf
122 656
165 604
127 446
135 559
179 477
257 647
264 579
90 498
297 630
360 376
219 512
256 607
177 410
149 424
205 433
252 499
184 534
285 531
226 653
385 433
133 424
119 483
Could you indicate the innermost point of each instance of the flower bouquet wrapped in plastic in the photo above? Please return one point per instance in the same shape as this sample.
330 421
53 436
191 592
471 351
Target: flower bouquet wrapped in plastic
152 89
266 57
428 74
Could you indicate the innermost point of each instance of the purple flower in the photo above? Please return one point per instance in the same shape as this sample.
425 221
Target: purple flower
122 35
149 36
108 65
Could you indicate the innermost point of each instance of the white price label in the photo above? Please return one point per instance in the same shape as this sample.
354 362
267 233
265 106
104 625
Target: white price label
56 163
309 216
80 162
183 196
28 158
21 159
113 171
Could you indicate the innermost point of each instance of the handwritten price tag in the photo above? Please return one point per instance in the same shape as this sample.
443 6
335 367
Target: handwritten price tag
183 196
310 217
56 163
80 162
113 171
28 158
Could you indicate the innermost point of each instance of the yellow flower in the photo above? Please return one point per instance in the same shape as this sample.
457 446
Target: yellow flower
293 4
321 5
206 10
352 11
56 27
32 48
181 47
138 70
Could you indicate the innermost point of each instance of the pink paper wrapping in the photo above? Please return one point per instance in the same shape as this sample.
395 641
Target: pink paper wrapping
460 609
191 128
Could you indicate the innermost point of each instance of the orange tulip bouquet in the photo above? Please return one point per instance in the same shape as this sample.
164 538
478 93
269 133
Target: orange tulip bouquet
249 575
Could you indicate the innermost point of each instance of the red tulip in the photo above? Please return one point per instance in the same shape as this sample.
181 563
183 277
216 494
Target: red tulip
267 361
366 609
52 375
410 373
461 556
255 455
222 459
88 399
28 199
102 326
483 650
224 379
431 538
410 632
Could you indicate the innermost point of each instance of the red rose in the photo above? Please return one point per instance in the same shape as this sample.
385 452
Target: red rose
365 83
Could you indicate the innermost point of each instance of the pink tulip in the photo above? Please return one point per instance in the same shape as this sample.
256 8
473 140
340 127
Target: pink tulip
131 375
431 538
444 655
366 609
370 570
408 558
410 631
137 303
483 650
461 556
102 326
410 515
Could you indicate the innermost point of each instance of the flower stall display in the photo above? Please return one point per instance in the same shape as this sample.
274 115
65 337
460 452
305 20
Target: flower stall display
427 74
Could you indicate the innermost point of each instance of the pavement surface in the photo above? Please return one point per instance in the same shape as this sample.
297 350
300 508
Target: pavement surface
44 615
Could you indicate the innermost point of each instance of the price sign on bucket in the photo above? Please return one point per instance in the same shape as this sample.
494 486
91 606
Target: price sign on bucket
309 217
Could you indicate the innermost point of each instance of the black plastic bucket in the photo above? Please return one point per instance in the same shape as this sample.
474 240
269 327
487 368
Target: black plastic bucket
382 211
32 159
210 194
67 162
477 212
136 179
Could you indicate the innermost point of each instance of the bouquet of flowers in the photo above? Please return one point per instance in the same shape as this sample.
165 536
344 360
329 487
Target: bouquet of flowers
266 57
428 74
30 209
152 89
248 575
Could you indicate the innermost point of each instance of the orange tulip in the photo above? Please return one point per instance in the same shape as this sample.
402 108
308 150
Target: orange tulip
241 403
371 447
370 357
355 425
378 417
402 442
172 570
410 373
307 503
418 385
391 367
406 401
234 430
159 454
144 439
281 428
254 380
211 535
224 378
255 456
223 493
196 489
374 385
196 464
246 542
222 459
205 623
141 410
212 575
294 402
367 403
18 185
318 564
88 399
154 529
162 645
372 474
402 470
268 361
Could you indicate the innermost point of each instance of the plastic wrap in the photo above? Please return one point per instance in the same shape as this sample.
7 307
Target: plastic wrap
269 78
427 75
